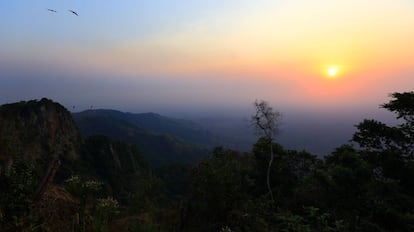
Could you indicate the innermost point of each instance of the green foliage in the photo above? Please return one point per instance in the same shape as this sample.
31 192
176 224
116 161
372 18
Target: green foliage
123 173
122 168
105 209
219 188
147 196
289 170
312 221
86 191
82 188
17 189
388 152
94 213
364 188
349 190
138 226
176 179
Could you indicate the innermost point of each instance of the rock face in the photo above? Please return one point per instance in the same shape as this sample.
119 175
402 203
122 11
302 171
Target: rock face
37 130
40 147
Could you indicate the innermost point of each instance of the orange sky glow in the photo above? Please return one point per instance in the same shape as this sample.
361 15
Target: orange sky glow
292 44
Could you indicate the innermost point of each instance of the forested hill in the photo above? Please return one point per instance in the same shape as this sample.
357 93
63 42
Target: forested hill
163 140
53 179
39 130
183 129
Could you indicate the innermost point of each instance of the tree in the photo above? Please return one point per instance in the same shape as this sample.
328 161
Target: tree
376 136
389 152
16 197
266 121
219 192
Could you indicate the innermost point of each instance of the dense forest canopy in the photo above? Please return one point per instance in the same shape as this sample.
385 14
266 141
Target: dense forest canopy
52 178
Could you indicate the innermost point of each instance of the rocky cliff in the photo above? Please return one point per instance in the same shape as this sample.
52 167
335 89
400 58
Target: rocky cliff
37 130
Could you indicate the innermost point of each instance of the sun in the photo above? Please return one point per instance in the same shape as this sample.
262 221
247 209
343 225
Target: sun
332 71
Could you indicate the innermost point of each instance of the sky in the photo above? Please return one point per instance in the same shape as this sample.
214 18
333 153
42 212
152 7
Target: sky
212 56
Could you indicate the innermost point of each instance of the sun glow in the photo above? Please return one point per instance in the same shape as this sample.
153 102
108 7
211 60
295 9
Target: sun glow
332 71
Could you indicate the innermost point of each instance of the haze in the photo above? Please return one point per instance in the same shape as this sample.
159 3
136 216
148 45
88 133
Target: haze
212 59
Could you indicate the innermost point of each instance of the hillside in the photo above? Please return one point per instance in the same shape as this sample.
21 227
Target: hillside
183 129
49 173
97 183
38 130
162 140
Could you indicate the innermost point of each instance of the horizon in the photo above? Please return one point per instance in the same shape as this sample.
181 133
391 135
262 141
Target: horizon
311 60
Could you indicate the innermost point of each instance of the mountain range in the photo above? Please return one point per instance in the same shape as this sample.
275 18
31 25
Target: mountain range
162 139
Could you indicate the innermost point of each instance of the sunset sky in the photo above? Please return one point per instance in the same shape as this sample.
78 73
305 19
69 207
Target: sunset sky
166 56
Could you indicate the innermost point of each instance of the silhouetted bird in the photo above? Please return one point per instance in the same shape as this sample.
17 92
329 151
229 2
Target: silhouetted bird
73 12
52 10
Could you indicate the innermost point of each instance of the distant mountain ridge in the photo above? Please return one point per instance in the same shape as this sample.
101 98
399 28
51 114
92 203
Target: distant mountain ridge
41 148
162 139
186 130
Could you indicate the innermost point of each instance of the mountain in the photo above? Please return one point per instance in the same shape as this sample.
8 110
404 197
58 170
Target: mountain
162 140
179 128
49 171
120 165
38 130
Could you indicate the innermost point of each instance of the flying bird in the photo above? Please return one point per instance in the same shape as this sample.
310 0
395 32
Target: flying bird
73 12
51 10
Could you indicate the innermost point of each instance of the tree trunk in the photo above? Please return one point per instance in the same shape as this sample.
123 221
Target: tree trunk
269 168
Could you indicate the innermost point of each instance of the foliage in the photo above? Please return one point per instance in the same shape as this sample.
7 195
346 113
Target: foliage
389 150
312 221
17 189
226 229
219 189
82 188
176 179
355 188
105 209
86 191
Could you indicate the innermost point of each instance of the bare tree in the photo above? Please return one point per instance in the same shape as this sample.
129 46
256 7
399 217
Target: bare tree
267 121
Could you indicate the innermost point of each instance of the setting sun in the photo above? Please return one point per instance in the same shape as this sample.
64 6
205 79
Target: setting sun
332 71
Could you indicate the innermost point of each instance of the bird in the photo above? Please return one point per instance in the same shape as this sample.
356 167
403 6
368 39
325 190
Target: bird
51 10
73 12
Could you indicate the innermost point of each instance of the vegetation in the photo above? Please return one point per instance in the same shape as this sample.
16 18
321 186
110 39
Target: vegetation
151 132
266 121
108 185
